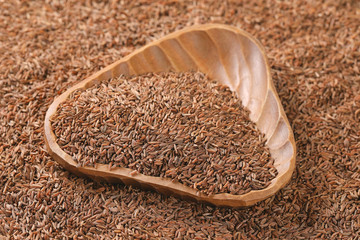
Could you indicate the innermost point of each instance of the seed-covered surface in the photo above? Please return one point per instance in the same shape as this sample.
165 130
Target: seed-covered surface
313 50
181 126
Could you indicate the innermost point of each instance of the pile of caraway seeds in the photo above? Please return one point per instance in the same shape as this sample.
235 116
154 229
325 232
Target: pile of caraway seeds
181 126
313 49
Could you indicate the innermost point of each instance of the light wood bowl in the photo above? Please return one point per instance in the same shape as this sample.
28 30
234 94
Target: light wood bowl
225 53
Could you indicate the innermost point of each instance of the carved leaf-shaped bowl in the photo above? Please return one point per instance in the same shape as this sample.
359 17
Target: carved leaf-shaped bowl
227 54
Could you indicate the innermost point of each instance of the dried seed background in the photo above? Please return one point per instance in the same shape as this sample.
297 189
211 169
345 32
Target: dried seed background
181 126
314 53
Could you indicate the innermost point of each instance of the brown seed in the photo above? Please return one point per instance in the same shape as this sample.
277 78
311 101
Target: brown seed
46 46
157 109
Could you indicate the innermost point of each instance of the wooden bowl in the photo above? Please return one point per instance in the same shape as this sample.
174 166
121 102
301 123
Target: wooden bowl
225 53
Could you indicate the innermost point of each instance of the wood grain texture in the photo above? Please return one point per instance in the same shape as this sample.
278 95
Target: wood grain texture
225 53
